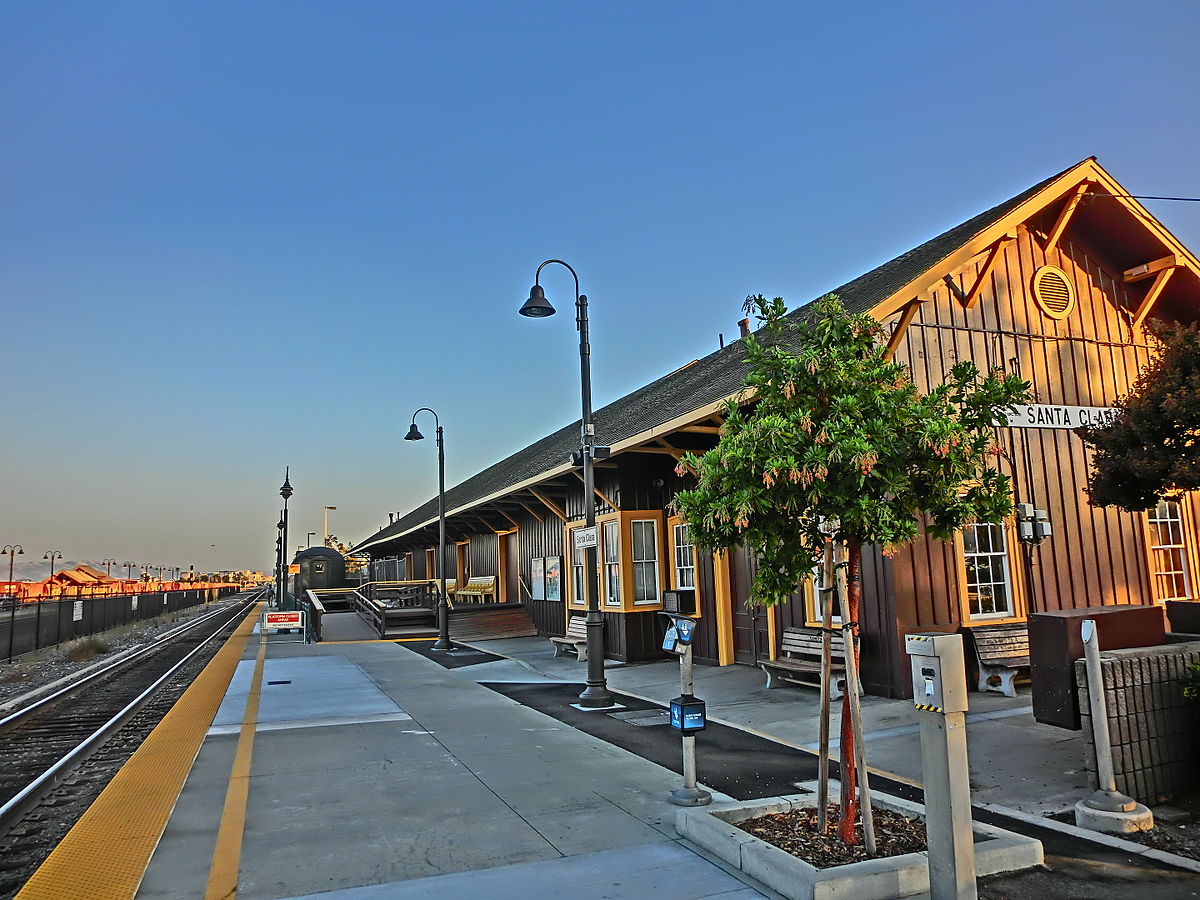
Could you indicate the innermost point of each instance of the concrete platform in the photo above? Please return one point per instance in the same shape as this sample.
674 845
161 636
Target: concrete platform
373 766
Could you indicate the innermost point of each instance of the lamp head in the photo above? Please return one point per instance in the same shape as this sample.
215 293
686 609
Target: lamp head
537 306
286 490
414 434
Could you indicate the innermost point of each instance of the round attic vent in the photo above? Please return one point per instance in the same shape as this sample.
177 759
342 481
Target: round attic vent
1052 292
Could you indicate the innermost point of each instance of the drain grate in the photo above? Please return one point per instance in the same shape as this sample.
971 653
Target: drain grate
644 718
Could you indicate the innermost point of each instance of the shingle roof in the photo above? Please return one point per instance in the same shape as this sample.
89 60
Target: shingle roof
695 386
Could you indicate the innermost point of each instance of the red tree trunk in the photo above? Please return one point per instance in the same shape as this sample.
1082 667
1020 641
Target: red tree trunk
849 773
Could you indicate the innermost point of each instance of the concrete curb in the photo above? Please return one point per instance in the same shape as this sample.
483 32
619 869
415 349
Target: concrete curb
1096 837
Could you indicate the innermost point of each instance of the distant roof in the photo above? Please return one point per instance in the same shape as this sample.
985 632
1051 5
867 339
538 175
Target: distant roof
716 376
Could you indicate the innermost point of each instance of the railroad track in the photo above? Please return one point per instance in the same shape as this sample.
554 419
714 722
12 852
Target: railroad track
43 743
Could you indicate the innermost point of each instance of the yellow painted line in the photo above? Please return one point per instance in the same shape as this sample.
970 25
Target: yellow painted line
227 857
106 854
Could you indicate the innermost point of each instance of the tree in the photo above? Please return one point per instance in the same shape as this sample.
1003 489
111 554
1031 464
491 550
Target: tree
839 436
1152 447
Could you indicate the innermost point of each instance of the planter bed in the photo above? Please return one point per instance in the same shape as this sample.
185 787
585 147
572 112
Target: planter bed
714 828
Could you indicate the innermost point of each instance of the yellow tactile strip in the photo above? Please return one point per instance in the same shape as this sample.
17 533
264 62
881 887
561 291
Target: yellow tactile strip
104 856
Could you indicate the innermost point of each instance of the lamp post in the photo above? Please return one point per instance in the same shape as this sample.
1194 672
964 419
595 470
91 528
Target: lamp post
311 535
129 570
13 550
285 492
51 555
596 695
325 536
443 609
279 559
108 564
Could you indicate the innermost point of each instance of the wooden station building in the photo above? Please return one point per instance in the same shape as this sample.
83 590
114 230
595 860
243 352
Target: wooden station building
1056 284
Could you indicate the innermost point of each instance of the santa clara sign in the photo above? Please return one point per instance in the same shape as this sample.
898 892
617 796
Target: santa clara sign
1039 415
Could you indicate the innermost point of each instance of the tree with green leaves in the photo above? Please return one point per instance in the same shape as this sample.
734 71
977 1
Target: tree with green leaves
1152 448
832 432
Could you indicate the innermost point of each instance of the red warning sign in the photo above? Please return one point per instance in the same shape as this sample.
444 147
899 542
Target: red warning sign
293 619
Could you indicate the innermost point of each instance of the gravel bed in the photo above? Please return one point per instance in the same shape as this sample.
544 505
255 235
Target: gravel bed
34 670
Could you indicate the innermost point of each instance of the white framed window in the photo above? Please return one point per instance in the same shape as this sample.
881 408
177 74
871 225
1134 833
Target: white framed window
612 563
578 567
1168 552
645 562
685 557
988 573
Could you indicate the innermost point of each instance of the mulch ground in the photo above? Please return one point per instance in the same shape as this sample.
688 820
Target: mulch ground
1182 838
796 833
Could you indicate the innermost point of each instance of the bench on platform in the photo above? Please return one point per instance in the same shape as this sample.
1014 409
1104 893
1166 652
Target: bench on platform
477 588
801 660
1003 653
575 639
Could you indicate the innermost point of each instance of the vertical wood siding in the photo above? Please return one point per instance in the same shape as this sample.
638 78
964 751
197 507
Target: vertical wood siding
1091 358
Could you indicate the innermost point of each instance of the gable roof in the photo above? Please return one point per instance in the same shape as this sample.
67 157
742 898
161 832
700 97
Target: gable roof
702 387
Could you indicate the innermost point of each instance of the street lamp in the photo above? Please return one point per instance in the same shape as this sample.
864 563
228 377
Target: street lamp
108 564
129 570
311 535
325 537
278 558
443 609
596 695
13 550
285 492
51 555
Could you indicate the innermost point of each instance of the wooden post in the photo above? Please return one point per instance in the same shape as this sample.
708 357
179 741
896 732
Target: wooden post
825 593
860 751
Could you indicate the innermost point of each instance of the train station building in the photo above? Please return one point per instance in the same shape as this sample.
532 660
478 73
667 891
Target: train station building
1056 284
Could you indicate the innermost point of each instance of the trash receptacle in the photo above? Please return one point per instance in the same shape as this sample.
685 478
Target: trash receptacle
1055 643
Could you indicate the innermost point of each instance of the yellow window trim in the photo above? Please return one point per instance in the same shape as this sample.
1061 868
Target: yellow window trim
626 518
1016 578
1188 525
672 523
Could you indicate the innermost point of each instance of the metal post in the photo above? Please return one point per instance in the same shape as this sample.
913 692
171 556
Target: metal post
596 695
690 794
826 594
443 642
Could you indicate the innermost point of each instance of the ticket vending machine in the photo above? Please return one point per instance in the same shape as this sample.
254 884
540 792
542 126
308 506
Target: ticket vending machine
687 711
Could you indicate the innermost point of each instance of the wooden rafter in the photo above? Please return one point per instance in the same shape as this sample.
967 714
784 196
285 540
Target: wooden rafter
1152 296
678 455
1064 217
701 429
530 510
906 318
549 504
1145 270
599 493
976 291
507 516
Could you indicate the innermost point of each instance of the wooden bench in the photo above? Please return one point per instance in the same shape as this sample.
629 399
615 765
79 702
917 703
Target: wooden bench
1003 653
801 660
477 588
575 639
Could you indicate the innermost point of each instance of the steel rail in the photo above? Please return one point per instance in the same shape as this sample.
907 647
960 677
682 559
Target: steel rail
15 718
28 797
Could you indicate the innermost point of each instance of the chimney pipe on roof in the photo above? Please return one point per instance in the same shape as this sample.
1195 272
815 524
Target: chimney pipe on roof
743 327
391 518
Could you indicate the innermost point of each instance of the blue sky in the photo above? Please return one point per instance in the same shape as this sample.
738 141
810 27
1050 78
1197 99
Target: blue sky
243 236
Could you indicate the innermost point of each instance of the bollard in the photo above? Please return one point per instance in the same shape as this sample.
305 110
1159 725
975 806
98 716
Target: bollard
687 712
940 693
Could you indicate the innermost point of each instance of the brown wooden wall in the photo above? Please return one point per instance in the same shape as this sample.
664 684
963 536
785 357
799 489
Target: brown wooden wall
1090 358
538 539
482 554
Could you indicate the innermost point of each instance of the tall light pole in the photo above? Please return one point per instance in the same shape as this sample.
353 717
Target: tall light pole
13 550
325 537
285 492
108 564
311 535
129 570
596 695
443 609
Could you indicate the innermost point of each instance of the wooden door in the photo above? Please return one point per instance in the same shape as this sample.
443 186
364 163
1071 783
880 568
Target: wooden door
510 569
751 641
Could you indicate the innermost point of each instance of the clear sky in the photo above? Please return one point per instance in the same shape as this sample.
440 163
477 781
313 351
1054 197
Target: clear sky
239 236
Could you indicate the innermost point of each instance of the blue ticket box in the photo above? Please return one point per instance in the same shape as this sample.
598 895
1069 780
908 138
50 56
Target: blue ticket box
687 715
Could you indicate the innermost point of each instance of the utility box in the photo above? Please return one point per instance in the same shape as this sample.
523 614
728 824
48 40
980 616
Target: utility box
1055 642
682 601
938 673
